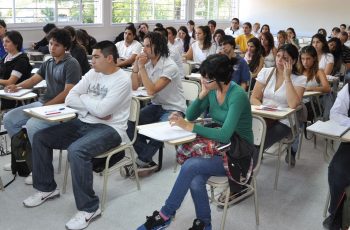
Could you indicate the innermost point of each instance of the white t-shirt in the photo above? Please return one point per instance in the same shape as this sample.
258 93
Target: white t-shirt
200 55
229 31
177 58
326 58
269 60
172 96
177 45
277 98
125 52
98 95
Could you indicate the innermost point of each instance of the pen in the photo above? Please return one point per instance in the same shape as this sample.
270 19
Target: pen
52 113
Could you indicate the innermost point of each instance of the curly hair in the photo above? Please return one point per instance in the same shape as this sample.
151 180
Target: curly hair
159 42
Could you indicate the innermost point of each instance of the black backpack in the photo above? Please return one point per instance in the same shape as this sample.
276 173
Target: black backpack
21 151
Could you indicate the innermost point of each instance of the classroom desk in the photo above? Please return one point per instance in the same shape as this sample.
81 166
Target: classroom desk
276 115
23 98
316 95
57 118
141 94
35 55
175 141
194 77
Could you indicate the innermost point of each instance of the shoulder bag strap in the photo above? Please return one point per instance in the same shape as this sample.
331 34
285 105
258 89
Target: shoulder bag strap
268 79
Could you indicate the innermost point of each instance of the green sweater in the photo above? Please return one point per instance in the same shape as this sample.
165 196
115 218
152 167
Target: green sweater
234 114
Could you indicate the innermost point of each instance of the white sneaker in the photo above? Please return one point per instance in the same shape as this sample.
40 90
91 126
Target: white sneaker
40 197
82 219
29 179
7 167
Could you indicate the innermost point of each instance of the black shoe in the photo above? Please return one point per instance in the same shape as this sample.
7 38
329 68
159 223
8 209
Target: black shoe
127 171
327 222
197 225
154 222
292 159
147 169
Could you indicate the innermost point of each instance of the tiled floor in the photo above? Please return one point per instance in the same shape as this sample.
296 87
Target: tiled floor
297 204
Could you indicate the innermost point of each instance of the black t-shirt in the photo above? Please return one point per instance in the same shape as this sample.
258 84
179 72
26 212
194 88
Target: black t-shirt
19 63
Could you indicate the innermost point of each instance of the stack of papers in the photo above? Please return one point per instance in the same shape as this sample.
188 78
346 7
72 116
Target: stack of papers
330 128
162 131
19 93
52 110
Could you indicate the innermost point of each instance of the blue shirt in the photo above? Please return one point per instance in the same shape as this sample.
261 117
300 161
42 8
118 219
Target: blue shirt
241 71
2 51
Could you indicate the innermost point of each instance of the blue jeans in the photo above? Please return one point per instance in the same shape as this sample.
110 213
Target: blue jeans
83 141
149 114
15 119
194 175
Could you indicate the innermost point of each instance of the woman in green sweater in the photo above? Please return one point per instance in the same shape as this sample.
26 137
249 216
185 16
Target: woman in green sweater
230 109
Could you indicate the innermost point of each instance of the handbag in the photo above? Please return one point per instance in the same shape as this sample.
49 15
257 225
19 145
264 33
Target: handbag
240 161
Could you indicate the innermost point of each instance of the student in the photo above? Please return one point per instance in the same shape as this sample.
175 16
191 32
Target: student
292 37
202 47
61 73
78 51
241 74
129 48
219 33
173 41
338 169
234 30
285 88
120 36
229 106
343 37
254 58
269 50
265 28
42 45
335 47
102 99
316 81
242 39
185 39
2 34
15 66
191 29
212 27
159 74
256 28
143 30
325 58
322 31
281 38
86 40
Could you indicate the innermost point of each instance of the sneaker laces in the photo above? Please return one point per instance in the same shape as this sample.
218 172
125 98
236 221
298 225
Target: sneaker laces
129 169
154 220
80 215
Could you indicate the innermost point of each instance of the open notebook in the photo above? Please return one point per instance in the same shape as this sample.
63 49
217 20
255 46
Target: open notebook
52 110
19 93
162 131
330 128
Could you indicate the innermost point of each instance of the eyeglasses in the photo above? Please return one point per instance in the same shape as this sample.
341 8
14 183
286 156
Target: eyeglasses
209 81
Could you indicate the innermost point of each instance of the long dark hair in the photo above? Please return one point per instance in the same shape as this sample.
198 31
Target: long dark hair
187 38
337 54
254 63
207 37
325 48
268 36
310 50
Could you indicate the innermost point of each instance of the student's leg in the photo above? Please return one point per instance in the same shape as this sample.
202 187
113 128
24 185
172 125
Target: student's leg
338 175
16 118
33 125
194 174
276 133
95 139
44 141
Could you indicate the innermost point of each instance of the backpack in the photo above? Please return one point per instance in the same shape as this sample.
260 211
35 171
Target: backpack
21 154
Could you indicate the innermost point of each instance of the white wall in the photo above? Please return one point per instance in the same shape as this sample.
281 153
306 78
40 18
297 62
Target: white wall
306 17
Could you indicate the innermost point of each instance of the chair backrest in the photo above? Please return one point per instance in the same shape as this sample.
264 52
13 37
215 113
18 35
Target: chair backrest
187 68
191 89
134 116
259 132
47 57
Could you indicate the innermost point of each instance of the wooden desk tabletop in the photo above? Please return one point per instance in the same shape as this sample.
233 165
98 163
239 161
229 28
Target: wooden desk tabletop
182 140
141 94
272 114
194 76
345 137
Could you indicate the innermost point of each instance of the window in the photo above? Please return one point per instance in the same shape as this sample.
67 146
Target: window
56 11
145 10
215 9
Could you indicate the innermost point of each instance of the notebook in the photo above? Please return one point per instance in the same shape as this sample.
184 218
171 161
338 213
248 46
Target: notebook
52 110
330 128
19 93
162 131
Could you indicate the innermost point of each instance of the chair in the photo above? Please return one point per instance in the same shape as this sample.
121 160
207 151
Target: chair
284 145
133 117
191 91
259 131
1 185
187 68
